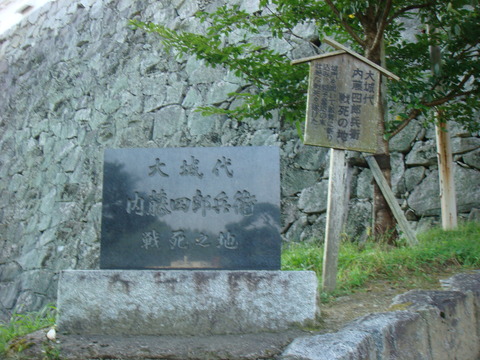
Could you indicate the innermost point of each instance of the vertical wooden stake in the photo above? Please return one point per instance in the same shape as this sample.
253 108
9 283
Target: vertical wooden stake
448 200
336 205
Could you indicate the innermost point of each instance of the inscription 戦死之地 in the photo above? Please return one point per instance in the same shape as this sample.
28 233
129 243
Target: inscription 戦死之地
178 240
167 208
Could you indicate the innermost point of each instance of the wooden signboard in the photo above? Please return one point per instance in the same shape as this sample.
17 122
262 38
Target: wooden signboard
343 100
342 104
343 113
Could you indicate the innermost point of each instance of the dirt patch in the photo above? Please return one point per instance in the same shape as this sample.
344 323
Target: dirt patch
344 309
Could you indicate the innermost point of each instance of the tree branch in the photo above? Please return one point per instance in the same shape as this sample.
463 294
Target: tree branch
463 82
289 29
347 26
412 115
456 92
415 112
466 52
450 96
382 25
407 9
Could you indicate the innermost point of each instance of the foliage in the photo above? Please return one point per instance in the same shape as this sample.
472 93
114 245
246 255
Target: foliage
360 263
451 89
22 324
273 84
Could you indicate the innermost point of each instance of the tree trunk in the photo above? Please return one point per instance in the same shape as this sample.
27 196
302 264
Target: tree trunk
384 224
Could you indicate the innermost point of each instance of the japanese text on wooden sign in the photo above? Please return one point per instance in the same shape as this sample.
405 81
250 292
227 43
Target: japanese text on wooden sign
342 108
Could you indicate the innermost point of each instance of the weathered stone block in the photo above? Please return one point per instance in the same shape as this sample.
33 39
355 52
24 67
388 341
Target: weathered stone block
424 199
344 345
168 120
397 335
473 159
423 153
359 219
311 157
450 331
413 176
364 188
467 188
404 140
119 302
398 173
461 145
314 198
467 283
294 181
464 283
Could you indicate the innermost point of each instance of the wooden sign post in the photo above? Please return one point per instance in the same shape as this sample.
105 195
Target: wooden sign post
342 114
336 212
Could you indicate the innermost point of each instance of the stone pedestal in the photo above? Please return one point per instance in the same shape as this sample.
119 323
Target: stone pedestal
146 302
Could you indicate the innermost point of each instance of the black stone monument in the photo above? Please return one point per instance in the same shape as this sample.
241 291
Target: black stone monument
191 208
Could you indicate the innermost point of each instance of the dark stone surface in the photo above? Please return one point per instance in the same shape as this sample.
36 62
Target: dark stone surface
464 283
191 208
266 346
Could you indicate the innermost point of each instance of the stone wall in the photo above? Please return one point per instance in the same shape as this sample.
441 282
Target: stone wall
76 80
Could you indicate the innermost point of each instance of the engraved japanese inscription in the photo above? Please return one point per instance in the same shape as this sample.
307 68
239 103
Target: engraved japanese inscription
191 208
342 107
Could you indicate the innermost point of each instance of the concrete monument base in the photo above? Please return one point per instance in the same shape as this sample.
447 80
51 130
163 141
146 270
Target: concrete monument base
180 302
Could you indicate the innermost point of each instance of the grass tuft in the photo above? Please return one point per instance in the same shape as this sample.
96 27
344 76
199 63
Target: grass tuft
437 251
23 324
